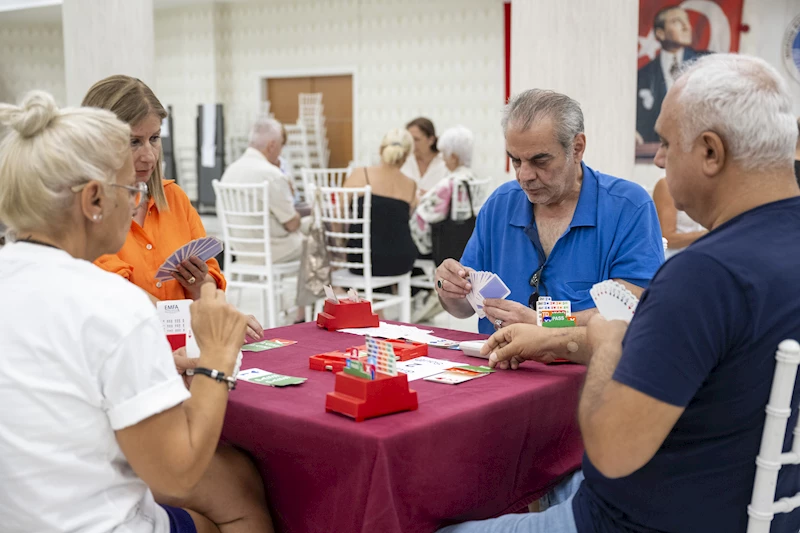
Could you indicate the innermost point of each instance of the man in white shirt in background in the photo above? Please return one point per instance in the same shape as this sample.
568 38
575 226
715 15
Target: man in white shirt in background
260 163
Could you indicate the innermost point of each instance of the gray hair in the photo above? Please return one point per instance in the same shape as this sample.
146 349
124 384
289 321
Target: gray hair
457 141
746 102
264 131
535 104
50 150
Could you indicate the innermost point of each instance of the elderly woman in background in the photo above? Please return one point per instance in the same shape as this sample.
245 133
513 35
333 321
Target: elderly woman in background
101 420
165 220
426 167
394 196
456 146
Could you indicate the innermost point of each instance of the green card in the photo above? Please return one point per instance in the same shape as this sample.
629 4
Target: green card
262 377
482 369
267 344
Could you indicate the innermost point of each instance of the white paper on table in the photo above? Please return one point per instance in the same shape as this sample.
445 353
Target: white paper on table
388 331
423 367
209 147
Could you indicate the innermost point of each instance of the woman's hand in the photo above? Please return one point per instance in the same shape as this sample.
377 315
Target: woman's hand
183 363
254 330
191 274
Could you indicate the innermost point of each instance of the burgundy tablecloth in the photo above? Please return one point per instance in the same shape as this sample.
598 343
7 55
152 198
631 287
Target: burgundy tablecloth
471 451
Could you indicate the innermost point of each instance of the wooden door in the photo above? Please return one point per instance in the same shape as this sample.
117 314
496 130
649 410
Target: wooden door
337 101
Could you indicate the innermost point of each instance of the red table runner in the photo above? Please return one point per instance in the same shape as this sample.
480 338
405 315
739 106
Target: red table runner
471 451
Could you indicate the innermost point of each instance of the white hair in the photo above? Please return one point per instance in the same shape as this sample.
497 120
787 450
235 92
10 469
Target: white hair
746 102
457 141
264 131
50 150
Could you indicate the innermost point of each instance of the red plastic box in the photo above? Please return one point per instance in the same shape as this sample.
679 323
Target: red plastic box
362 398
347 314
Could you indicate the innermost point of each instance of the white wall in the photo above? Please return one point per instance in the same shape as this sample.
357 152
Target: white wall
599 72
443 59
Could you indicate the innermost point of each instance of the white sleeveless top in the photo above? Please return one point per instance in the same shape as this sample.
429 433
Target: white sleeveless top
683 224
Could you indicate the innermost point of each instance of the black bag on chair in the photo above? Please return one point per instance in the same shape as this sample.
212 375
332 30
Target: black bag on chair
449 237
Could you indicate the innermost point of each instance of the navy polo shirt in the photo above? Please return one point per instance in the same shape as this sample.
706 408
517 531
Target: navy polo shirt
614 234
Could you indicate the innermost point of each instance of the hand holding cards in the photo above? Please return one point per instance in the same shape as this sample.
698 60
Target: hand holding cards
485 285
204 248
614 301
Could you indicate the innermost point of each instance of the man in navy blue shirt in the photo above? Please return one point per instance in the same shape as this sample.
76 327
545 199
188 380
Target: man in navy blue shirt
559 228
672 411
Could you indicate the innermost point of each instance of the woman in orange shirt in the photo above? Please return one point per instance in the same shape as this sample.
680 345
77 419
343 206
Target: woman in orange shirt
166 220
231 492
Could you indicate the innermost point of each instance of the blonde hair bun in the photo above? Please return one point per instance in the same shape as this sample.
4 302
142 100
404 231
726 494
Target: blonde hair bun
396 146
36 112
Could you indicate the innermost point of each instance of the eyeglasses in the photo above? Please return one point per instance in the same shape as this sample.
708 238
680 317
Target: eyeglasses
137 192
534 282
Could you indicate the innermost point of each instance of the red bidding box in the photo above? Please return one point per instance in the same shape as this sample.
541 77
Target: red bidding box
361 398
347 314
336 361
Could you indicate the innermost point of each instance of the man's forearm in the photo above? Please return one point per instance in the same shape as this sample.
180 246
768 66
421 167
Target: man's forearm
570 344
457 307
603 363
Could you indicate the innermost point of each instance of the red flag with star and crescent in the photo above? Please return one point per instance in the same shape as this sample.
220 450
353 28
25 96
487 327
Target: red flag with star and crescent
715 25
688 30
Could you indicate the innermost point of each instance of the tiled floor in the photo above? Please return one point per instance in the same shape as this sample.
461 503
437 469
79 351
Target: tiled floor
249 302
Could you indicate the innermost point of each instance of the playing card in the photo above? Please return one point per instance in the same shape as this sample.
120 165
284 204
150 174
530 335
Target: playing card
495 288
205 248
614 301
485 285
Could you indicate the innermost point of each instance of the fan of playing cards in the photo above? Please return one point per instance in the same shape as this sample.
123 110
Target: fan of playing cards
485 285
204 248
614 301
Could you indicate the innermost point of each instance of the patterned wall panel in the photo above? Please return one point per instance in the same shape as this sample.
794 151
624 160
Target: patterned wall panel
31 57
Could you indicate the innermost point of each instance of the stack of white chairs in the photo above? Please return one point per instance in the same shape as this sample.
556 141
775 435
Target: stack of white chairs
459 204
243 211
311 116
763 508
337 212
296 152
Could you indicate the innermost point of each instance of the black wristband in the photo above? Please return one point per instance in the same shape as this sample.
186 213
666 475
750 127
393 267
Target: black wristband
217 375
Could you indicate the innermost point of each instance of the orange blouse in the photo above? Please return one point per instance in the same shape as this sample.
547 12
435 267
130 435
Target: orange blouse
147 247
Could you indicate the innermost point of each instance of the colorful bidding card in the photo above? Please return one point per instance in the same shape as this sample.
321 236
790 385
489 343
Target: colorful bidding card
266 344
262 377
454 376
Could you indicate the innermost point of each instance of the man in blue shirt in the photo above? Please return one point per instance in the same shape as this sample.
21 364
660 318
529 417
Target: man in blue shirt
672 411
559 228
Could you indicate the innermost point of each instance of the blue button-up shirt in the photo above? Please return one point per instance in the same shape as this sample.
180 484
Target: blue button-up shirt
614 234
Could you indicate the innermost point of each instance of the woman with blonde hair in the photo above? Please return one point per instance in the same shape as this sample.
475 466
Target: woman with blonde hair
166 220
394 196
97 418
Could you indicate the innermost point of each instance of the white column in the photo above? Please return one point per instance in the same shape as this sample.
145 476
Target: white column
587 50
105 38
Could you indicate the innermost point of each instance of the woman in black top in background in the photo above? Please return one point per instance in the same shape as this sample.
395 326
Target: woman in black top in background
394 197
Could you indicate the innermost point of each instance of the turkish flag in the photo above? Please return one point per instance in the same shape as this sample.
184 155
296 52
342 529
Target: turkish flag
715 25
